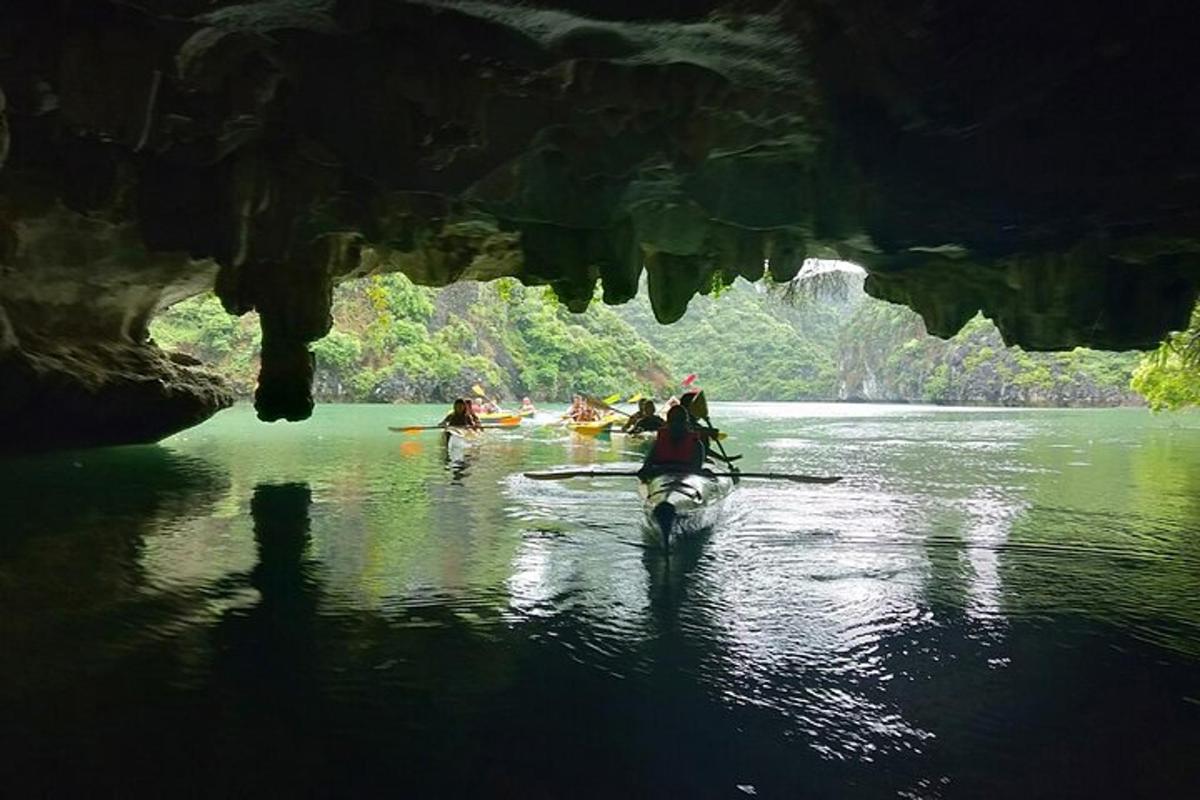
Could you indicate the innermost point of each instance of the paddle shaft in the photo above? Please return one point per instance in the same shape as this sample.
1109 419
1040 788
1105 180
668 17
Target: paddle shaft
596 401
592 473
415 428
724 456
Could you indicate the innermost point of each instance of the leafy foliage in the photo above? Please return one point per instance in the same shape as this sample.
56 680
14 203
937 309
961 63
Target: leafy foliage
821 339
203 328
1169 377
748 345
886 354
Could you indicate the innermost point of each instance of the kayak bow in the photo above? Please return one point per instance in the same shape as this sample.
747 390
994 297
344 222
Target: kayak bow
676 503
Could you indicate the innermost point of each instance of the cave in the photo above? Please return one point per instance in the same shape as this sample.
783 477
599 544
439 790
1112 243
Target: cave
1034 162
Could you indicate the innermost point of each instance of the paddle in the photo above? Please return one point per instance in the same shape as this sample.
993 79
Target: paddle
415 428
477 389
699 411
605 404
549 475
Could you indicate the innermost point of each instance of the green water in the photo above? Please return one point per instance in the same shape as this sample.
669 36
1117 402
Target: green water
992 603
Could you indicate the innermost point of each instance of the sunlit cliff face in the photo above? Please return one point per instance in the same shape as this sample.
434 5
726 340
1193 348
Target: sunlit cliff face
151 151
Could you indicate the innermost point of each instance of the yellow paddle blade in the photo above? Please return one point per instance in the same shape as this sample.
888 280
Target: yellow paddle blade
700 406
637 398
612 398
477 389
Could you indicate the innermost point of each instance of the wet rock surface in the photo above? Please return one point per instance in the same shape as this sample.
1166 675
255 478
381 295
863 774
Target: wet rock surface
1036 161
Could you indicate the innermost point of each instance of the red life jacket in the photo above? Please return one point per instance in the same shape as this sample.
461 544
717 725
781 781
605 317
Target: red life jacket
668 450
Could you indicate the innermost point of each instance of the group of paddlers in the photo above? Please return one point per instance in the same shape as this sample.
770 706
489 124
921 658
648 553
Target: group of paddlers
581 410
682 440
467 411
682 436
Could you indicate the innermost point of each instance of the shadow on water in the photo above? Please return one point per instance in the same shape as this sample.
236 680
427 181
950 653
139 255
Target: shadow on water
670 575
82 624
61 493
76 527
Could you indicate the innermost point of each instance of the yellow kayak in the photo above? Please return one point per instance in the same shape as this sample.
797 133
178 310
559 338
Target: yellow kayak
593 428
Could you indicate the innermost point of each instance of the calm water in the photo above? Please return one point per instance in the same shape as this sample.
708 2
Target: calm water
992 604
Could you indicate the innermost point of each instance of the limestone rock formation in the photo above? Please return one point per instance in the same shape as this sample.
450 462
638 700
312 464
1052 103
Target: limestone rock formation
1037 161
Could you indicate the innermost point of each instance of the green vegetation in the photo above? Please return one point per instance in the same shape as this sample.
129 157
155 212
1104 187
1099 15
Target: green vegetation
747 344
1169 377
885 354
394 340
202 328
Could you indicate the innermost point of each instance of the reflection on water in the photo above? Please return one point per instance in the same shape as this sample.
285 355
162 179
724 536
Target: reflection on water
992 603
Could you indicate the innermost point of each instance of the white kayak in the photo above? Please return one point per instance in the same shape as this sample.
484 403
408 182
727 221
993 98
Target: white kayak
676 503
458 440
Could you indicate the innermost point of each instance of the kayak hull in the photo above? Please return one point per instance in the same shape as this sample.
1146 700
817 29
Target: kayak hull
506 417
458 440
591 428
675 504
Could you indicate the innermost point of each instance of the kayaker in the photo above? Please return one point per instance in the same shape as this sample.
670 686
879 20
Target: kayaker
643 420
527 406
461 417
582 412
677 448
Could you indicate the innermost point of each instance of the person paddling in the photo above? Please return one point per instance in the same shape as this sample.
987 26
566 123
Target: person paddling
461 417
677 448
643 420
580 411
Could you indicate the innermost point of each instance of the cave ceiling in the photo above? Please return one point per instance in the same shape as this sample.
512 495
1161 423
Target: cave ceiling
1038 161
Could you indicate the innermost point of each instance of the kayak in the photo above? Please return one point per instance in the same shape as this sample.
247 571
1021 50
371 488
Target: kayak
457 441
504 422
593 428
504 416
500 421
677 503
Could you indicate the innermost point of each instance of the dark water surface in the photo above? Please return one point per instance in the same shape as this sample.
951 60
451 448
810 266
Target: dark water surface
992 604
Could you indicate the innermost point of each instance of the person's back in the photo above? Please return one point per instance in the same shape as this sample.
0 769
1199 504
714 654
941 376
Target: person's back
676 448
